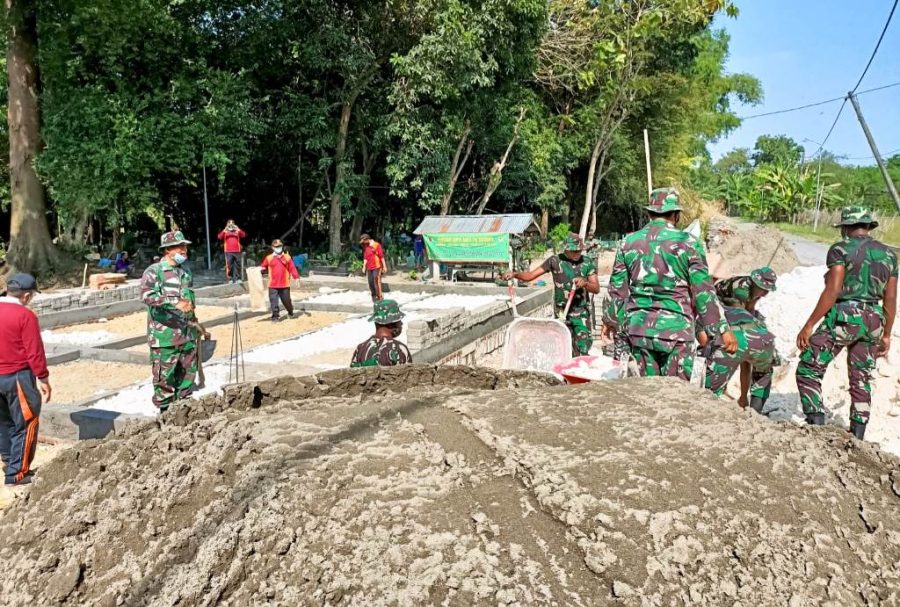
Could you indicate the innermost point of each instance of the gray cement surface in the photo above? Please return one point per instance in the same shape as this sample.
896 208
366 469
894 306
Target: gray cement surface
458 486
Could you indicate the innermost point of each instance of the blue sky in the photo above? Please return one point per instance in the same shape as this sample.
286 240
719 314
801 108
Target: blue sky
805 51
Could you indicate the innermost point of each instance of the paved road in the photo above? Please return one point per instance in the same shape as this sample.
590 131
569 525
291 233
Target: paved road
809 252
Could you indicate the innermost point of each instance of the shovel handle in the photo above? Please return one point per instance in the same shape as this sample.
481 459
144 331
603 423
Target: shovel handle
569 303
512 298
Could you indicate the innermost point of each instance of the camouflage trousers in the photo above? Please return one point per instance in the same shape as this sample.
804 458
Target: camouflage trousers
174 372
579 323
848 325
756 346
662 357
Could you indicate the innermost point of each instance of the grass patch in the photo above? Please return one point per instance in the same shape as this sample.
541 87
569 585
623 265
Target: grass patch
888 232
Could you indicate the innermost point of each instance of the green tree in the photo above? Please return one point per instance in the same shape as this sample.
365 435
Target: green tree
772 150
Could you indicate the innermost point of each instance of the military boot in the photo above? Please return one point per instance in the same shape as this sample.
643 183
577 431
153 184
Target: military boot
757 403
857 429
815 419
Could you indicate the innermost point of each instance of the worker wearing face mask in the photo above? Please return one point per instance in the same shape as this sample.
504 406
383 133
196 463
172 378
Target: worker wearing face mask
383 349
172 328
281 270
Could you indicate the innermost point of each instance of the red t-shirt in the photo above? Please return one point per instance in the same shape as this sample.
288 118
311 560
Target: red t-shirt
373 256
281 270
232 240
20 335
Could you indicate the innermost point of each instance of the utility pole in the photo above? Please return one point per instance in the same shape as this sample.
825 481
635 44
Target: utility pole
647 157
892 190
206 215
818 192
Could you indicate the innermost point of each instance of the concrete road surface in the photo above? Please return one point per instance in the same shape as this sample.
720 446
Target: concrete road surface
809 252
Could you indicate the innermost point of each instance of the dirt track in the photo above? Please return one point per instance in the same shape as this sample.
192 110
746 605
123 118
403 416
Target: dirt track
459 486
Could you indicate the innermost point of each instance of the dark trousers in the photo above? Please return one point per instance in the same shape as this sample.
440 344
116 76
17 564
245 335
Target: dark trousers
284 294
20 405
372 276
233 266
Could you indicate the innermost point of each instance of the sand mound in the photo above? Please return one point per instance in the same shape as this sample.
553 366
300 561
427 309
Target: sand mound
457 486
736 249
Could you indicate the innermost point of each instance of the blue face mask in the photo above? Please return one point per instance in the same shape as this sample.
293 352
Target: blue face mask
278 250
179 258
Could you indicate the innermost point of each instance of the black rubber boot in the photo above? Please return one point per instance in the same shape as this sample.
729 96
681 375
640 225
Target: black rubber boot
815 419
757 404
857 429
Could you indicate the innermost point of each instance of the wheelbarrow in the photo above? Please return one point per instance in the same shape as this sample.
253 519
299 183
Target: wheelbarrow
583 369
536 344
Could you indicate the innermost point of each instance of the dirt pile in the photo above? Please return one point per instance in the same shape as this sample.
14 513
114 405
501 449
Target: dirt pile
738 248
459 486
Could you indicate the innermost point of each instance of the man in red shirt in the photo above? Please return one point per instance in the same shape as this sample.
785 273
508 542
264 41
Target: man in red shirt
231 236
23 372
281 270
375 266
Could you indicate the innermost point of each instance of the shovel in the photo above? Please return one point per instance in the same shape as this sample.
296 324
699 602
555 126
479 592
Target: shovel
698 372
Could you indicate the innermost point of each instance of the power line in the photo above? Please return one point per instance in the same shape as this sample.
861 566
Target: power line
877 45
869 157
831 130
818 103
858 82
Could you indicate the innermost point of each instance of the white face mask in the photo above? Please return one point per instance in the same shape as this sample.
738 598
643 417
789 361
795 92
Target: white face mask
278 250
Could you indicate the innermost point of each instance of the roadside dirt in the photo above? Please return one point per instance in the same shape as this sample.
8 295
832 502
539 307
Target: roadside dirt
134 324
458 486
81 379
260 330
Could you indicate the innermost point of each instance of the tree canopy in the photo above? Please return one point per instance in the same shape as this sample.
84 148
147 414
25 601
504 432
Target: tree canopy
336 117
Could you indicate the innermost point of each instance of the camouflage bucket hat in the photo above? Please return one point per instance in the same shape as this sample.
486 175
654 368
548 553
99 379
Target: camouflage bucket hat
386 312
664 200
573 242
764 278
855 215
171 239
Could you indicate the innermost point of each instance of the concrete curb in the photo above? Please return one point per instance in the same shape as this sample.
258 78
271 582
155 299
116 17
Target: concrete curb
440 351
120 308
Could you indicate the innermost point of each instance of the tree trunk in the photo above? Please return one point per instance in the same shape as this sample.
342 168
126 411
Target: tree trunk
334 220
30 247
361 206
457 167
497 170
545 223
589 190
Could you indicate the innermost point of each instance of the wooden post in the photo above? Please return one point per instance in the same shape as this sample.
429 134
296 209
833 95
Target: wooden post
647 155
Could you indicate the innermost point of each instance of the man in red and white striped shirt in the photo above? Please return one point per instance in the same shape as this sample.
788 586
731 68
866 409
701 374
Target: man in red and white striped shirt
23 379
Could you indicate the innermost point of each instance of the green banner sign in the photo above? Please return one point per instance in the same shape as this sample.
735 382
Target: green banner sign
468 248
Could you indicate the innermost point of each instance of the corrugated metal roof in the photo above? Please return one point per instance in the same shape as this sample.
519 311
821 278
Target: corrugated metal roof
476 224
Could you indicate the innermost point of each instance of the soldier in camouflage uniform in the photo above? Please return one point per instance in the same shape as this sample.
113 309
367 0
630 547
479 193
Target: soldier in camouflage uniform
572 270
659 290
745 291
172 328
383 349
858 304
756 345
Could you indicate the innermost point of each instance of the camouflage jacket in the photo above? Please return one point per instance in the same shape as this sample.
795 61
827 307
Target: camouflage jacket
660 286
565 271
734 291
381 352
162 286
868 265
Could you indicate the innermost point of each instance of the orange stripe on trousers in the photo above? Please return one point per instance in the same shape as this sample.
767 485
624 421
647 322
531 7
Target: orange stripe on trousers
30 433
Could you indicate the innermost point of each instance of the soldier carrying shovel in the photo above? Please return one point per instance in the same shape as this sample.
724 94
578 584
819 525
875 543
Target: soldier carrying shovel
574 278
173 332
